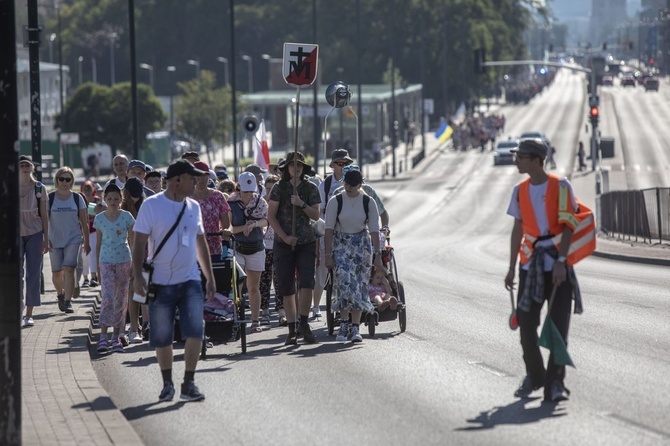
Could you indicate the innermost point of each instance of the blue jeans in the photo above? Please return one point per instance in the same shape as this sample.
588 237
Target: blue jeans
188 297
31 250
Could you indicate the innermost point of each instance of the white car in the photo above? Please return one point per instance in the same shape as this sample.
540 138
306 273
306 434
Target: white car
502 154
535 135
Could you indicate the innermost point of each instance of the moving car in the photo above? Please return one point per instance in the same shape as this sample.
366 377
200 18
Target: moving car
502 154
628 80
607 80
650 83
534 135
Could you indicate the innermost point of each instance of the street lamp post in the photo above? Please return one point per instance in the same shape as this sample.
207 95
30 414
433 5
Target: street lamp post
79 62
94 70
146 66
251 71
171 69
112 70
224 61
269 59
52 37
196 63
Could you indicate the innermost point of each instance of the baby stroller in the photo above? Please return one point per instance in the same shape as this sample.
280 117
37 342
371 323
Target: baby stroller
371 320
225 318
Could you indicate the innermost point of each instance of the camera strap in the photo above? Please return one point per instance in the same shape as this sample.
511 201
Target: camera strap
167 236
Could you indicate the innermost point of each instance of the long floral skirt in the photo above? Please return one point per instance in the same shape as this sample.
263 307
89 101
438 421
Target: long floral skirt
353 263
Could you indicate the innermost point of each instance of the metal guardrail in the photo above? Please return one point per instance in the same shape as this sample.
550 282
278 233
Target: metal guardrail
641 214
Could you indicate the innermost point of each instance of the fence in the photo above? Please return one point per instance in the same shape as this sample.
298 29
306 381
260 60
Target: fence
641 214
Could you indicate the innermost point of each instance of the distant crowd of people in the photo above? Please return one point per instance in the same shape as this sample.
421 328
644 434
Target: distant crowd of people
146 236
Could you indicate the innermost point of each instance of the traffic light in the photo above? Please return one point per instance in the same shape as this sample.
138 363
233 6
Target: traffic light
480 58
651 61
594 114
604 46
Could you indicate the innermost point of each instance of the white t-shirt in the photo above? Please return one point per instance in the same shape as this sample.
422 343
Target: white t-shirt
177 260
352 215
326 194
538 194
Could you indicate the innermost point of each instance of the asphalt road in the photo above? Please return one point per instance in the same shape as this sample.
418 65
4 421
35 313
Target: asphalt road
450 378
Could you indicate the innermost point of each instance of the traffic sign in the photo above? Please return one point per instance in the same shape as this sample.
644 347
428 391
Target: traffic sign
69 138
300 63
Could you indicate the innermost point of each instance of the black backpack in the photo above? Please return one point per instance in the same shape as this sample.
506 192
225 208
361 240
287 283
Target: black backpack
340 201
52 196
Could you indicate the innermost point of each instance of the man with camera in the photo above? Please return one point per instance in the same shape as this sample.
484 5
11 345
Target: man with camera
171 224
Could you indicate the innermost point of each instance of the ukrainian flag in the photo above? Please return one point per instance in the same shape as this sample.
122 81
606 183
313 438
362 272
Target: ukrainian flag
444 133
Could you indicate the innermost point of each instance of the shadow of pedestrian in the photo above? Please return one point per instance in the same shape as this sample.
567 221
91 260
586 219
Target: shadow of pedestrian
145 410
514 413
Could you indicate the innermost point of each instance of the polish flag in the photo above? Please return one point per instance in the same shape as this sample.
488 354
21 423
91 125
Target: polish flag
261 149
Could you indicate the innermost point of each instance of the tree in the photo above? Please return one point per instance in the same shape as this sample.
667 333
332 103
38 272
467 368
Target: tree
101 114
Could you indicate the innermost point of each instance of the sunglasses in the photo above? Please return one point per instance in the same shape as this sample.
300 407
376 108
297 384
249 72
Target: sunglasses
65 179
341 163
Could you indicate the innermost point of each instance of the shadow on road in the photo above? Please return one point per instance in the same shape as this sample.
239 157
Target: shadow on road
145 410
514 413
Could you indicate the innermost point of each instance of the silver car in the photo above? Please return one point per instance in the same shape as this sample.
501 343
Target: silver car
502 154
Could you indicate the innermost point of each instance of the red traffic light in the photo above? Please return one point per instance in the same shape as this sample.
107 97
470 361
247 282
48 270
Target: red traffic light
594 112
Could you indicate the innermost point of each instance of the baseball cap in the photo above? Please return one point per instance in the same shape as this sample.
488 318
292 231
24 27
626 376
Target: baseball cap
153 173
137 163
25 159
247 182
182 166
202 166
193 155
531 146
221 174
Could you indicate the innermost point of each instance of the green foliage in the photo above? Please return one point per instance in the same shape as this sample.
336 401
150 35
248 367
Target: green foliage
101 114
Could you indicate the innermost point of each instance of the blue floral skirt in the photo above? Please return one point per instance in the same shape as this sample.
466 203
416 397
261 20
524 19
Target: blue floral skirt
353 263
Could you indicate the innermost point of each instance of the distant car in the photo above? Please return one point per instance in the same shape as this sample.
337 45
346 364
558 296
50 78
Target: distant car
502 154
607 80
650 83
539 135
627 81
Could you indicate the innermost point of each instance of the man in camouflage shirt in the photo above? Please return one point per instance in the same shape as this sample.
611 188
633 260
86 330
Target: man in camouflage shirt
294 252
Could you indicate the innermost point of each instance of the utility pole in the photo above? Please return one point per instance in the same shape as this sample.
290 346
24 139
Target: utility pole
34 37
133 80
10 312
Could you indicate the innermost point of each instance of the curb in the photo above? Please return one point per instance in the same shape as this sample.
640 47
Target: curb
632 259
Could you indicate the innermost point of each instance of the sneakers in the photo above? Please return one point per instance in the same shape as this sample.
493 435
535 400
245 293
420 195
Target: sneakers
167 393
190 392
316 312
117 346
306 332
103 346
123 339
68 306
61 302
557 393
28 321
343 334
291 339
135 338
525 389
355 335
85 284
94 283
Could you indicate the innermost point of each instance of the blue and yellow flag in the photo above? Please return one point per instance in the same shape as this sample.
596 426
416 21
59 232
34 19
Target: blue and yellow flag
444 133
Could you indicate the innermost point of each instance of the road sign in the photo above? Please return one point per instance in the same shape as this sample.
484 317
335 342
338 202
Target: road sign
300 63
429 106
69 138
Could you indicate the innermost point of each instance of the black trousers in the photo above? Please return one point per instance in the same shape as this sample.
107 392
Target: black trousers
528 328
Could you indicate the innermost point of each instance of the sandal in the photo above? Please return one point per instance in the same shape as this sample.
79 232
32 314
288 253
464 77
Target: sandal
384 305
256 327
265 320
283 322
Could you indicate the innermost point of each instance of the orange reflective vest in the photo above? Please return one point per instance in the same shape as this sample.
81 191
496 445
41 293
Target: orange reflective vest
560 213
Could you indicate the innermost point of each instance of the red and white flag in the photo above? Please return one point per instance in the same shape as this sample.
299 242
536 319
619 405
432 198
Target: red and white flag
261 149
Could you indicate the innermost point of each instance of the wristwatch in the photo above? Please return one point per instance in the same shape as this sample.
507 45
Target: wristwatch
561 259
304 205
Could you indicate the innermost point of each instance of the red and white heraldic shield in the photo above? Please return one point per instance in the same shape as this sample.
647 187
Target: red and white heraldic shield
300 63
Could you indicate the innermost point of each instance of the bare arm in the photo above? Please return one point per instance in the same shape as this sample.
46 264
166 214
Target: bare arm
515 242
139 248
385 219
205 261
98 245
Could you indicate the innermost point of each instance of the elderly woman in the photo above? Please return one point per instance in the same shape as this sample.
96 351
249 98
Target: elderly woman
248 215
68 225
352 225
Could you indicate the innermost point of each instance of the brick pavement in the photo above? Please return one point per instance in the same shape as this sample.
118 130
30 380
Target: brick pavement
62 401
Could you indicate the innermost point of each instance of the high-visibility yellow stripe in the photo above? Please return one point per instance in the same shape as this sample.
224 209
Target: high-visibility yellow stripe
569 219
562 199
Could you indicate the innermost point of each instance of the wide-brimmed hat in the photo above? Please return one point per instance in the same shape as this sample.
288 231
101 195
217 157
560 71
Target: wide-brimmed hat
255 169
299 157
182 166
532 147
273 166
340 155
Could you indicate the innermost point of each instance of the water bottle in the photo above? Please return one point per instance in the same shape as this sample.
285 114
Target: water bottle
224 252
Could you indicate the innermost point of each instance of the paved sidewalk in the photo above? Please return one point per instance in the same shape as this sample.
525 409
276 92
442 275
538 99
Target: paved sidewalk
62 401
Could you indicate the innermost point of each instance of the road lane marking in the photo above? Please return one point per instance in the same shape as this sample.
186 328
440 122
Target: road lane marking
634 425
488 368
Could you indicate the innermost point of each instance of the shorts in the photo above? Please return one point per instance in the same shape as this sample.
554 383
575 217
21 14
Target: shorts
252 262
287 261
188 297
67 256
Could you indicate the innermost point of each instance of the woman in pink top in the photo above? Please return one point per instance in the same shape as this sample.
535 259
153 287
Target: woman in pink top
214 208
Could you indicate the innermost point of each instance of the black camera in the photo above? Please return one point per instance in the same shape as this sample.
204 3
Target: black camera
151 292
148 272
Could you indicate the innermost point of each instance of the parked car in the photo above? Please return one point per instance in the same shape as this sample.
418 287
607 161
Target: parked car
651 83
502 154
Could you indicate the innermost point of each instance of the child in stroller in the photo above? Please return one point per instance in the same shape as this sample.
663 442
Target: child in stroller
379 289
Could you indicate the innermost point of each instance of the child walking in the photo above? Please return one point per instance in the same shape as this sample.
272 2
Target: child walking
113 227
380 291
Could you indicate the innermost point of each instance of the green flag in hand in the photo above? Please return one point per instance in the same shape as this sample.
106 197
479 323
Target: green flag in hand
551 339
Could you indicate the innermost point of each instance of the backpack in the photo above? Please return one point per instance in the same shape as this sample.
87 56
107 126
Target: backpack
52 196
340 201
38 196
326 186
